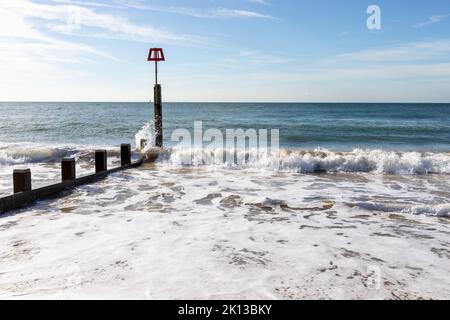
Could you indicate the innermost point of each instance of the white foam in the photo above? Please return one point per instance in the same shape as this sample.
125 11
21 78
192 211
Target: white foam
20 155
23 153
148 234
146 133
298 161
439 210
44 161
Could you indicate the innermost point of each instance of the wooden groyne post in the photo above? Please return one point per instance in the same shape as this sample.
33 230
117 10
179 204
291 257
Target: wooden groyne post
24 195
101 161
21 180
156 55
125 154
68 169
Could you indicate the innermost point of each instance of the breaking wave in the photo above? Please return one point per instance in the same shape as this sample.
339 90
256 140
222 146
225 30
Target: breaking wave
33 155
317 161
14 154
288 160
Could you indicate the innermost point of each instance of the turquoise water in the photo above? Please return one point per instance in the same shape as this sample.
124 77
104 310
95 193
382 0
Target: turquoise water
405 127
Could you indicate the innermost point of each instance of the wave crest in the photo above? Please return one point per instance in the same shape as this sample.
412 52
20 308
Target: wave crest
299 161
33 155
17 153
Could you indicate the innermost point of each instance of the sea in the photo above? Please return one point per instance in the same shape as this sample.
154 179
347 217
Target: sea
332 126
356 204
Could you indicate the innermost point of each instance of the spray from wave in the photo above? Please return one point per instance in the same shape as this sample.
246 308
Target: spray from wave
317 161
147 133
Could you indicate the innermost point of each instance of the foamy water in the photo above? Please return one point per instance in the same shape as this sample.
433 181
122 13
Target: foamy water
170 232
320 160
362 222
44 161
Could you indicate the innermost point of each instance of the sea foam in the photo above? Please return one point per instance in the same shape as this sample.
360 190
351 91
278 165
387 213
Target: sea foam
299 161
23 153
146 133
19 155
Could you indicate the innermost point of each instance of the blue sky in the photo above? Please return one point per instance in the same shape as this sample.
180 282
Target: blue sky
225 50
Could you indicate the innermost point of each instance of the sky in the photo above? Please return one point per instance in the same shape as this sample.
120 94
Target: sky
225 50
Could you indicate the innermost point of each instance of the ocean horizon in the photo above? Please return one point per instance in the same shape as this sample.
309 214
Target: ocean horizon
337 126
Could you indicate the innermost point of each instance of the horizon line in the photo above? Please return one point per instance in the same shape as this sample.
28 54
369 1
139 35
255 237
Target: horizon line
230 102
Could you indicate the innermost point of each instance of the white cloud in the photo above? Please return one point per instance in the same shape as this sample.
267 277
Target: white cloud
415 51
68 18
214 13
89 4
221 12
431 20
255 58
18 31
29 59
30 56
262 2
386 72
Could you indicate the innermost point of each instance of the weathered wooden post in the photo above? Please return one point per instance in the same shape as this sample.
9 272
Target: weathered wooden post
101 158
158 117
22 180
68 169
157 54
125 154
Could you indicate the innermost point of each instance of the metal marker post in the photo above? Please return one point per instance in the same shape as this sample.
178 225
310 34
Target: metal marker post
157 54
